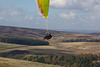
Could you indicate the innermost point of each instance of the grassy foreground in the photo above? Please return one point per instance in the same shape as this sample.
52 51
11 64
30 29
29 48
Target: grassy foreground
5 62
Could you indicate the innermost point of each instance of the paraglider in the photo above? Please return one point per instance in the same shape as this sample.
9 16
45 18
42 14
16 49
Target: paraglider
48 36
43 6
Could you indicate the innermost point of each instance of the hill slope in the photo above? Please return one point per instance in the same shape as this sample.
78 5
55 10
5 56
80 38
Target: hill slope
7 31
56 42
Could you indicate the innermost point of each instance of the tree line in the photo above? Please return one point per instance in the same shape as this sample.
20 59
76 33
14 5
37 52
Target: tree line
82 40
23 41
68 60
82 60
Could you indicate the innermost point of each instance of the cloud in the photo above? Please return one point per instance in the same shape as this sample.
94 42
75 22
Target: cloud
1 18
16 11
17 16
10 4
58 3
11 14
71 15
29 18
81 14
83 5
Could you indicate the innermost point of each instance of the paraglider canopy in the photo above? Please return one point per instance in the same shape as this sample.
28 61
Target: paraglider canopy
43 7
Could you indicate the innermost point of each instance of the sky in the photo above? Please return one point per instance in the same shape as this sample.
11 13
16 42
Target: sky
63 14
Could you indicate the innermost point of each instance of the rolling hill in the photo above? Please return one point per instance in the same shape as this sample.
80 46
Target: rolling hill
8 31
58 44
56 41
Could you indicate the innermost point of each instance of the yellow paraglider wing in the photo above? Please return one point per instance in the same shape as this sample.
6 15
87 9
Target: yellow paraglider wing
44 7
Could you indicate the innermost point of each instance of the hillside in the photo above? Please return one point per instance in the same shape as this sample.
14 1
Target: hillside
7 31
56 42
62 43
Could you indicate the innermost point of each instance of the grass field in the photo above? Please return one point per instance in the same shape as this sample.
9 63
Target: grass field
92 47
5 62
60 48
42 49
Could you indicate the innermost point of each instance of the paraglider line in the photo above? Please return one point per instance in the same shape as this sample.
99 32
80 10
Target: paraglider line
47 26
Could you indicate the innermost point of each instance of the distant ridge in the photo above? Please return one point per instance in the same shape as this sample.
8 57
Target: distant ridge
9 31
81 31
94 33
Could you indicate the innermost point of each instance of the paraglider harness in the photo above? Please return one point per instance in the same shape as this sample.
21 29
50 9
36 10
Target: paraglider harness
48 36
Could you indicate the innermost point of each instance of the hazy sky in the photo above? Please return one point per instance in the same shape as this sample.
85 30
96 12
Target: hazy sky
63 14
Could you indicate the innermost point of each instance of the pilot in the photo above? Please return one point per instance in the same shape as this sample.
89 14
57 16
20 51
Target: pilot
48 36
